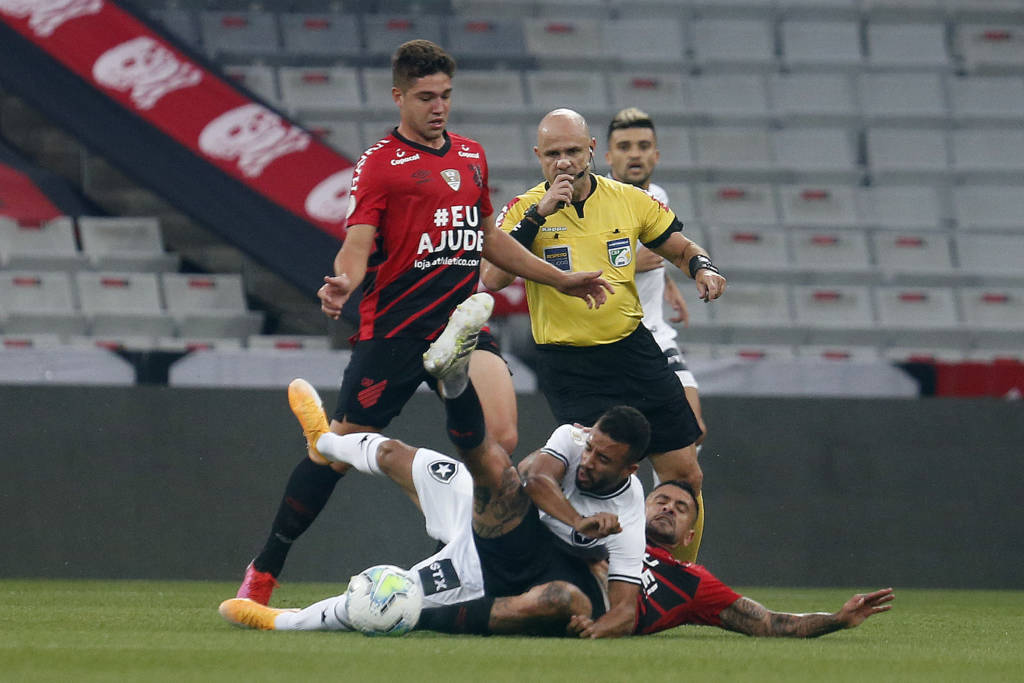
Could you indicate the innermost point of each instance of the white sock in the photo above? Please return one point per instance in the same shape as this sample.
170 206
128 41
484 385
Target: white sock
326 615
358 449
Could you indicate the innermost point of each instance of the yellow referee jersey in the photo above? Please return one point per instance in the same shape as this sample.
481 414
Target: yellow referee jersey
600 233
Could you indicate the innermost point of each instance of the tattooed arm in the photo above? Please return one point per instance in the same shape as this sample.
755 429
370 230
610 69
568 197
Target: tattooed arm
754 619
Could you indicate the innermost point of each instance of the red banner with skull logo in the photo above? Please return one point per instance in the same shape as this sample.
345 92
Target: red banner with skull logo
169 120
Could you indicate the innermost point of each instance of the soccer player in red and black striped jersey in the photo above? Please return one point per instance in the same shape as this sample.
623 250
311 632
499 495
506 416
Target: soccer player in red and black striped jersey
676 593
420 218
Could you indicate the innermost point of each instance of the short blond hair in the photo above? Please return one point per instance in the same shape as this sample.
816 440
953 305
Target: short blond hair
630 117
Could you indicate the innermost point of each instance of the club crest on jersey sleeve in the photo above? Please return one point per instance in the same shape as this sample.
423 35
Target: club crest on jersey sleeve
443 470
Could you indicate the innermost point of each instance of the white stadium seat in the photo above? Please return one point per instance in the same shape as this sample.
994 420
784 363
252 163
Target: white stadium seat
733 150
749 248
307 90
993 308
984 254
817 152
584 91
344 136
902 96
505 144
981 207
728 96
122 303
830 251
675 148
50 244
930 308
258 79
385 32
209 305
653 92
985 151
905 45
754 305
991 48
648 41
737 203
748 42
979 98
901 252
483 92
125 243
819 205
33 302
248 33
835 313
551 40
815 43
327 34
907 154
486 37
903 206
814 97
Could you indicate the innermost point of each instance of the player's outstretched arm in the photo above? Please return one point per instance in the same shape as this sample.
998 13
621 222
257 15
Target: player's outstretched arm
619 620
349 269
507 258
754 619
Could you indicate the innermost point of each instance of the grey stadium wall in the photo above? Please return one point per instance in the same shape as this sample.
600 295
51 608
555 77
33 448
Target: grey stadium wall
153 482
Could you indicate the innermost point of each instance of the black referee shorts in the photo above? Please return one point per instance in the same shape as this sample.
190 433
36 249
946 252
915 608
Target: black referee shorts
582 382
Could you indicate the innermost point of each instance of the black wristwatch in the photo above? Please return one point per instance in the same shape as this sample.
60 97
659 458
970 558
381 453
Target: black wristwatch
701 262
533 213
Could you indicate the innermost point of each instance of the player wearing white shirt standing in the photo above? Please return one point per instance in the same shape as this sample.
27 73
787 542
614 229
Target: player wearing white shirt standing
632 155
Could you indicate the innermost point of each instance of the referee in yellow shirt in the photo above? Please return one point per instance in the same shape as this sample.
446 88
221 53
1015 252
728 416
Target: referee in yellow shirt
591 360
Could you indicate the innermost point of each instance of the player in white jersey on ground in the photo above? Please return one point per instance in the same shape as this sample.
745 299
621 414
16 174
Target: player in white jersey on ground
632 156
536 565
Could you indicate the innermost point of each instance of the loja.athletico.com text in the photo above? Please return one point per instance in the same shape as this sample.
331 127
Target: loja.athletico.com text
423 264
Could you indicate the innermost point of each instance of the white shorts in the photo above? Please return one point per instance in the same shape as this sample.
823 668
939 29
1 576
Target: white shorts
445 490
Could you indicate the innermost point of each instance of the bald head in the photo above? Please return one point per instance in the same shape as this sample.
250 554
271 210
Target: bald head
563 122
564 147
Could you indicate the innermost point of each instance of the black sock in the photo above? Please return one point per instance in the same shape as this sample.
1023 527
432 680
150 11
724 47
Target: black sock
465 419
465 617
307 492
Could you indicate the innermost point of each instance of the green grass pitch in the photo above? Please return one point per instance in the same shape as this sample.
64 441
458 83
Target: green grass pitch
170 631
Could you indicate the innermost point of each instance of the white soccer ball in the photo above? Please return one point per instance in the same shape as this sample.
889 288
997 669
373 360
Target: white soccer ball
384 601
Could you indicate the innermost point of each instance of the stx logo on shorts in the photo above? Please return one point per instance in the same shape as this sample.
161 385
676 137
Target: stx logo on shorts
371 394
438 577
443 471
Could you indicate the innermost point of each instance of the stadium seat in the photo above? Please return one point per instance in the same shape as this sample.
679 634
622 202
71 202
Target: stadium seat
675 148
989 153
50 245
486 37
982 207
559 42
981 99
584 91
209 305
737 204
923 352
287 342
377 86
43 340
905 45
505 9
259 80
654 42
815 43
917 315
993 308
375 129
831 251
654 92
915 253
729 96
754 352
125 243
907 154
819 206
34 302
736 151
899 206
839 353
249 33
123 304
491 92
985 254
905 97
189 344
316 91
384 33
827 154
505 145
344 136
814 97
735 42
179 22
320 35
991 48
749 249
757 312
835 314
